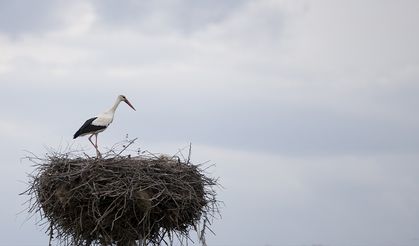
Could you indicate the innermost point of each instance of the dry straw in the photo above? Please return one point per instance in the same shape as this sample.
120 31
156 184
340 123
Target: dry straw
144 199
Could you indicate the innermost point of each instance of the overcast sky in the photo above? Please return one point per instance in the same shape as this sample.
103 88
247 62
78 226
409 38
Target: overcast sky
307 107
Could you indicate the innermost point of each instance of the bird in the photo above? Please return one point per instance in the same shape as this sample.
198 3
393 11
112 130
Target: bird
99 123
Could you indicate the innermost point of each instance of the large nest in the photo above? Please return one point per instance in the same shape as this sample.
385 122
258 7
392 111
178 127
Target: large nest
123 200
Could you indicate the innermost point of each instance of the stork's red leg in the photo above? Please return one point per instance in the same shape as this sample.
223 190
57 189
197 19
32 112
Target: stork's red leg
90 140
97 150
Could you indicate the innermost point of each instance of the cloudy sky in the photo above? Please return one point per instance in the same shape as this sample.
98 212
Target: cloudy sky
308 108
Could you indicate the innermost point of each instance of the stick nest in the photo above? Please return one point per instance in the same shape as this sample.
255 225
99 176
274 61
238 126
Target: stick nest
123 200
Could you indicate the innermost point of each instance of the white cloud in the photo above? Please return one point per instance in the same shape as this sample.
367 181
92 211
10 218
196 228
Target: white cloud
8 129
355 38
78 18
18 130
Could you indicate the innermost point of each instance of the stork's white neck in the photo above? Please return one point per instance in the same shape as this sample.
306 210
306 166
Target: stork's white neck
115 106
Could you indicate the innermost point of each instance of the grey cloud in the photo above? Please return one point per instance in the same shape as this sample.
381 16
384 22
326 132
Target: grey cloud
184 15
282 131
213 117
21 16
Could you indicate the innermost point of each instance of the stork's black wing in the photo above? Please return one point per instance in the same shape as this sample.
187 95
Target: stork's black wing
87 127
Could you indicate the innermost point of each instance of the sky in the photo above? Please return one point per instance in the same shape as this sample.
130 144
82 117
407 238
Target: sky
307 108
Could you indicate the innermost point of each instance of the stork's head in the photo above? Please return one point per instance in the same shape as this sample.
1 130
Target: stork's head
122 98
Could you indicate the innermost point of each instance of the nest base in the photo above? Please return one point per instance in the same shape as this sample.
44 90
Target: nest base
122 200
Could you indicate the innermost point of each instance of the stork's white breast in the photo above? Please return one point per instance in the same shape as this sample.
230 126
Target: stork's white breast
103 120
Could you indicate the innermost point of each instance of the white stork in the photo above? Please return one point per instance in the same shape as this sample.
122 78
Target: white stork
98 124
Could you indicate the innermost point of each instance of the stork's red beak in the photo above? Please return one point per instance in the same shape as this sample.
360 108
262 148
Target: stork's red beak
129 104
